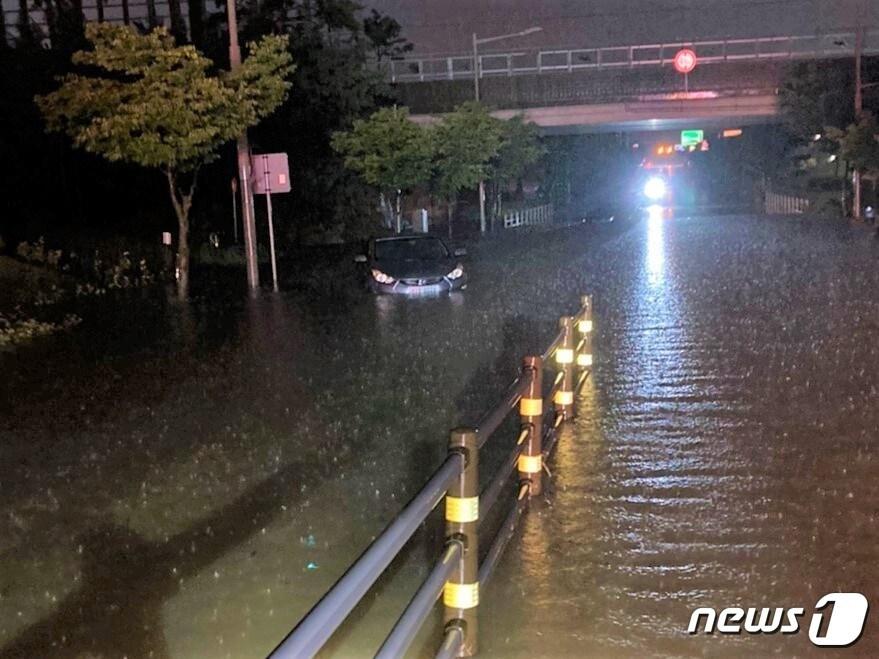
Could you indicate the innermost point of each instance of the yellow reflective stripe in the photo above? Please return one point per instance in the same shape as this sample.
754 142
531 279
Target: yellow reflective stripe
564 398
462 509
461 595
531 407
585 326
584 359
530 464
564 356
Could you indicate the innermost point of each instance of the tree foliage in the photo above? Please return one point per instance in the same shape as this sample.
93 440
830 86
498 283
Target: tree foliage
144 100
816 95
464 144
859 144
389 151
520 148
152 103
385 34
331 88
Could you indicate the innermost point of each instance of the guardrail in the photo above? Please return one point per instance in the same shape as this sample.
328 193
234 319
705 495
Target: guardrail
522 62
457 574
526 217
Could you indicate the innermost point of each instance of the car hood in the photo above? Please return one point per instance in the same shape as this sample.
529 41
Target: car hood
415 269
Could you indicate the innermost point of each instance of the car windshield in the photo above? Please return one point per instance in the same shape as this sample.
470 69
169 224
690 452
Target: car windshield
415 249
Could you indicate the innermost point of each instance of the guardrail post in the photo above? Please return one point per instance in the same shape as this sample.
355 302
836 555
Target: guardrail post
461 592
531 414
584 326
564 356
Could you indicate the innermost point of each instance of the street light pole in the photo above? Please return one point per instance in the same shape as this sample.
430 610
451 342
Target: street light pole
859 110
247 214
476 43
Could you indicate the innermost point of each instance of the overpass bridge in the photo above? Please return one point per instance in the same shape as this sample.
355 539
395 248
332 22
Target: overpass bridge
620 87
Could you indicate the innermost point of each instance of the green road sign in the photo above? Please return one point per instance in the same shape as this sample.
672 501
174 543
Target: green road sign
692 137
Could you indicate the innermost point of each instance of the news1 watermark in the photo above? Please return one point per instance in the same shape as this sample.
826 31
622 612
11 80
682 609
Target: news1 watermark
836 621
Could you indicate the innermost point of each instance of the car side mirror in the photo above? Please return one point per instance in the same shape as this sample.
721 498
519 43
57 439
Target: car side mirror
460 252
360 258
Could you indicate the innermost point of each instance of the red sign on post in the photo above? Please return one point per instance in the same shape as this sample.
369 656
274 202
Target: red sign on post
270 173
685 61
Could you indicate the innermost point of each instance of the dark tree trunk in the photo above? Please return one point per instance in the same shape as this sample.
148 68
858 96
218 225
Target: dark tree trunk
126 14
27 37
3 42
178 25
152 14
196 22
182 202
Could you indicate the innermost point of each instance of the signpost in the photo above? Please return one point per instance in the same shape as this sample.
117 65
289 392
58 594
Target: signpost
271 174
685 63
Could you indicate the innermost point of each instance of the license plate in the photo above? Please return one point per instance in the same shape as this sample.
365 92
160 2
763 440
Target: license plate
431 289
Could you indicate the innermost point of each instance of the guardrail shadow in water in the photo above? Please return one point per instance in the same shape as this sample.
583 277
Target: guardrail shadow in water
458 575
126 579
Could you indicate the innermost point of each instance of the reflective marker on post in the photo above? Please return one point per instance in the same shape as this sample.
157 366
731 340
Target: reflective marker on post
461 592
584 349
564 397
462 509
531 417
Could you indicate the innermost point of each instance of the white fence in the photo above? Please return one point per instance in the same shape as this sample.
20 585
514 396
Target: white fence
784 204
528 217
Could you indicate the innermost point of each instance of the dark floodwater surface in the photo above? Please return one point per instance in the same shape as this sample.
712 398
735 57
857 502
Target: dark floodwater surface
187 484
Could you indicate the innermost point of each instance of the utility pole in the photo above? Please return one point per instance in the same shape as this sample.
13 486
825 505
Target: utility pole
476 95
859 108
476 42
247 214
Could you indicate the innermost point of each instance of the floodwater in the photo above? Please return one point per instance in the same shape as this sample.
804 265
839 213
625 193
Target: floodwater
188 483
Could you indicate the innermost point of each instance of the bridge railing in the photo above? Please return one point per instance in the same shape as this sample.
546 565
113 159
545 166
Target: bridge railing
523 62
457 575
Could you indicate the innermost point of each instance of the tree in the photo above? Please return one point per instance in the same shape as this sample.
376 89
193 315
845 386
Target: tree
859 144
145 101
464 143
384 33
815 95
331 88
390 152
519 149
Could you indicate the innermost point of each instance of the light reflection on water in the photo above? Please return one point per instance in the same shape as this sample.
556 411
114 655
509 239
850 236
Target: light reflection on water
710 475
724 452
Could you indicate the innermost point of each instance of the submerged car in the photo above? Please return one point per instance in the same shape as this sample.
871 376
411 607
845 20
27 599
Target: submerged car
413 265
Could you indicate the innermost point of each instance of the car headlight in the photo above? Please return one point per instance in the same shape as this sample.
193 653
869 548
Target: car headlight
655 188
457 273
381 277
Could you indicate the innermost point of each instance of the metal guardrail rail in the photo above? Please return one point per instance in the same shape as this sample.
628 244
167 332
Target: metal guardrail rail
528 62
457 576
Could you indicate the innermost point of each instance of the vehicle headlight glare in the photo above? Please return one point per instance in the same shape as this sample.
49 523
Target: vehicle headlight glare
381 277
655 188
457 273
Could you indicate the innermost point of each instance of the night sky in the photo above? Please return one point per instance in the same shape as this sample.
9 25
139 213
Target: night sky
446 26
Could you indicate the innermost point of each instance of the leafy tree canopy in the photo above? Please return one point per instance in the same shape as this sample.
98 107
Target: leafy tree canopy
859 143
464 144
147 101
384 33
388 150
520 147
816 95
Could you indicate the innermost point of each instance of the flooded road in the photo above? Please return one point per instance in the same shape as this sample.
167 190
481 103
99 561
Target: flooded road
187 484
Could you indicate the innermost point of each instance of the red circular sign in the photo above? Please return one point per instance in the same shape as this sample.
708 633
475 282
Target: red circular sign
685 61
